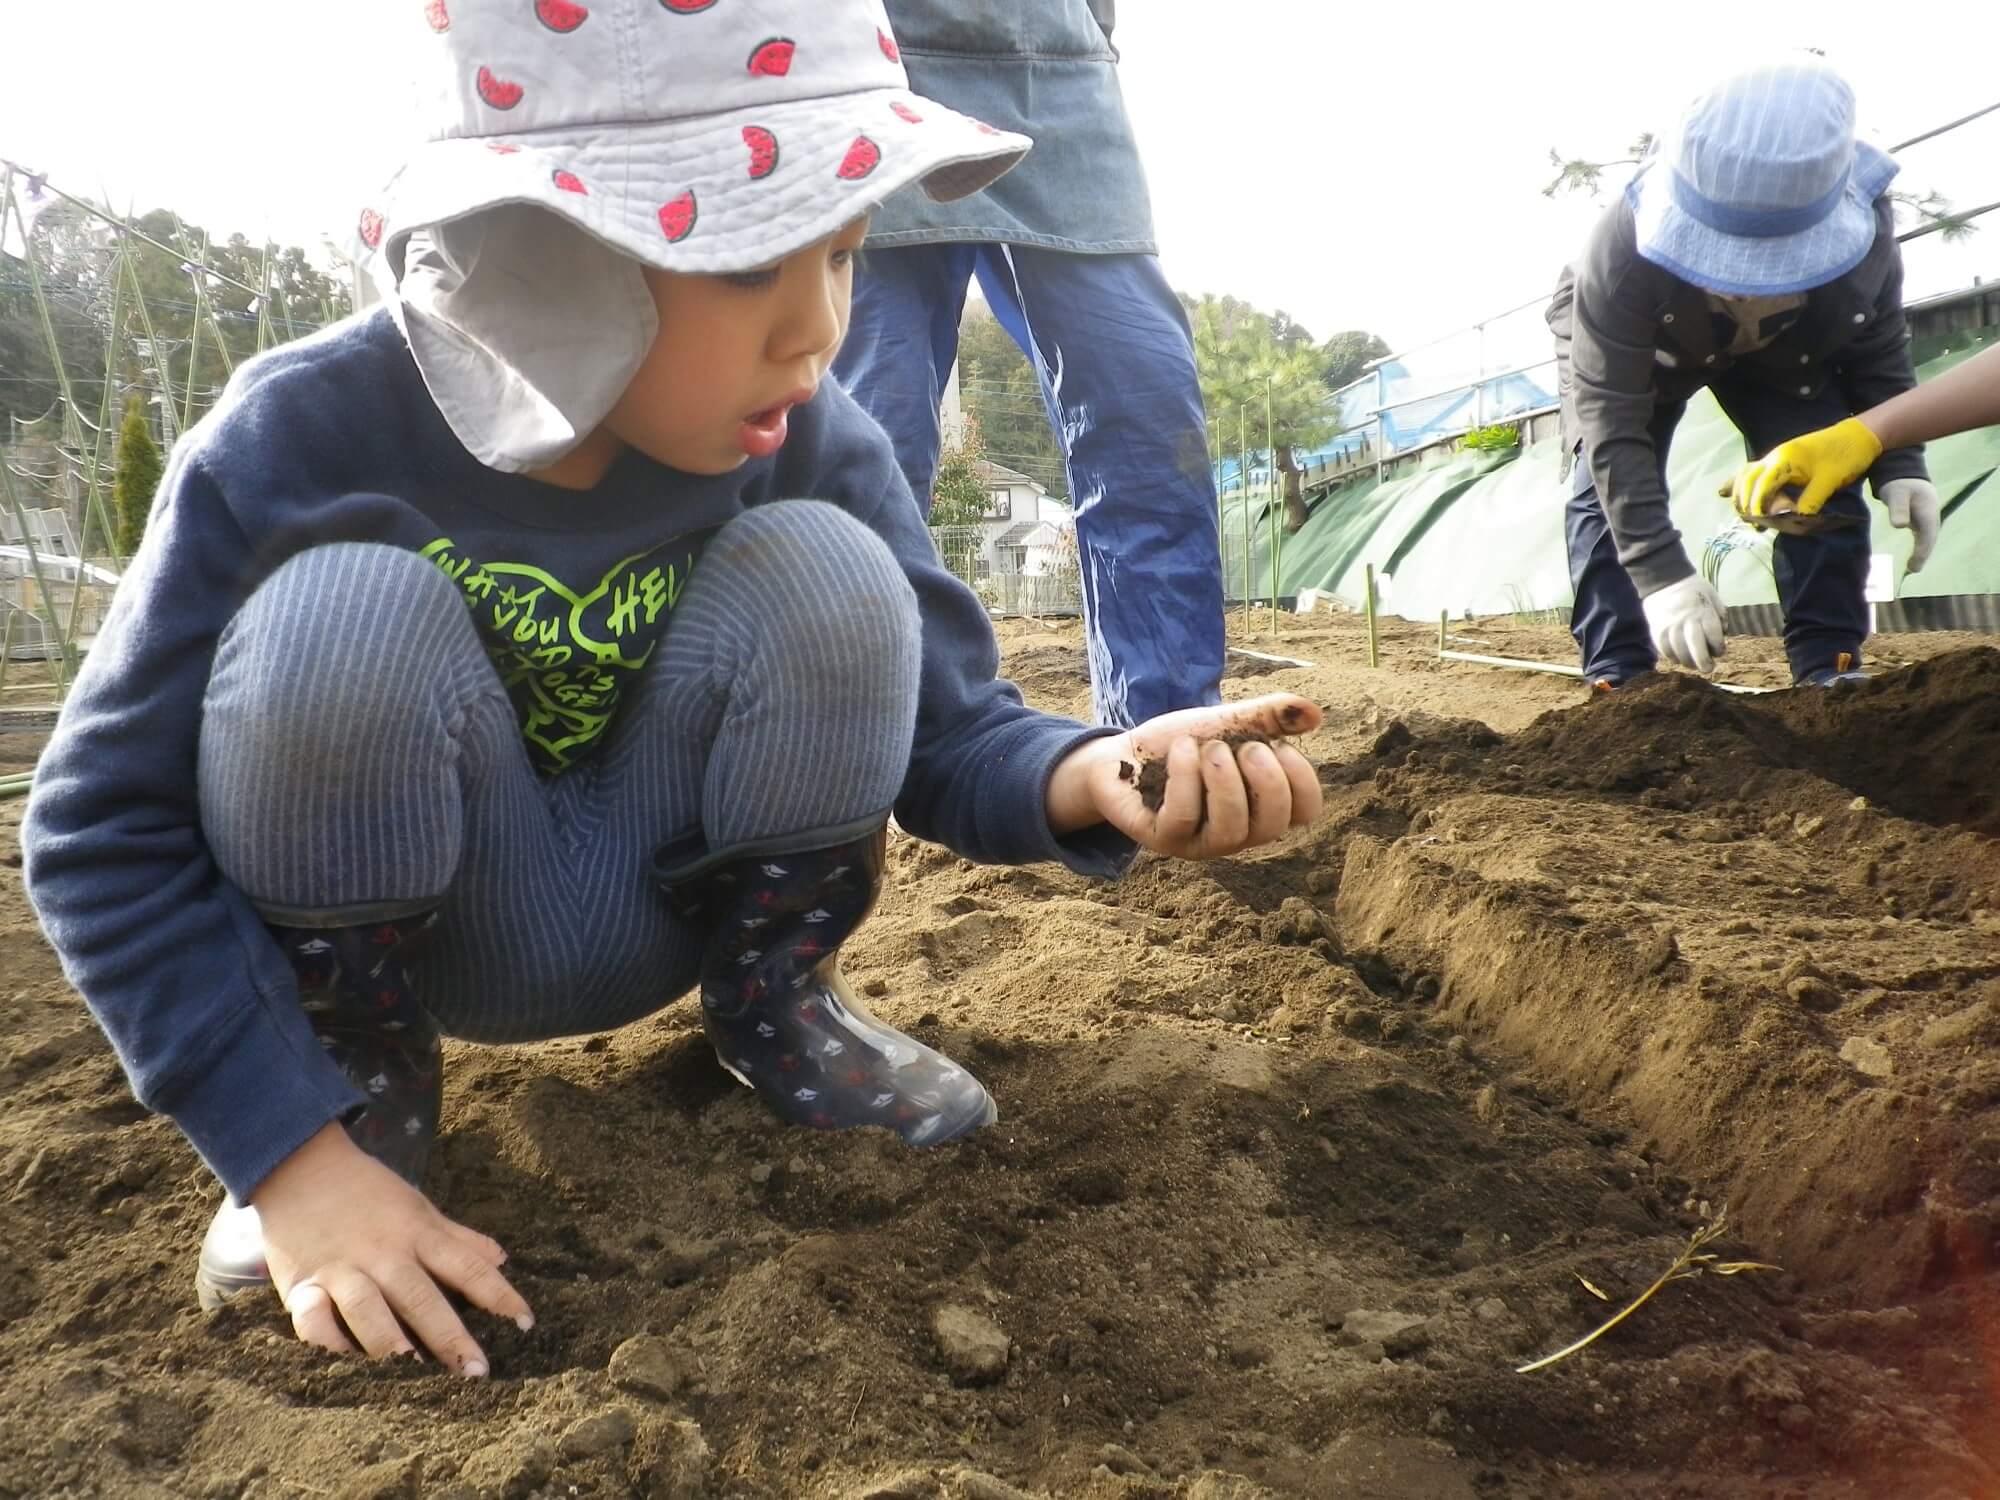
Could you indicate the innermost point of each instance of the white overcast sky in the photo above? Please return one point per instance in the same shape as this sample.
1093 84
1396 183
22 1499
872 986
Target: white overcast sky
1358 165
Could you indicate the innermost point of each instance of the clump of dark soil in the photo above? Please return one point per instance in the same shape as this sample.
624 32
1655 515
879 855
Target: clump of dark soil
1918 742
1151 775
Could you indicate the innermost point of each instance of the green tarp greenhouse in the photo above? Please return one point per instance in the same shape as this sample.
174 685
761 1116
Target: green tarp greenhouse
1482 533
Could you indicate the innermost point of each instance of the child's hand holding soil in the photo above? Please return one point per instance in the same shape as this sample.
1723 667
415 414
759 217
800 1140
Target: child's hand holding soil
1199 784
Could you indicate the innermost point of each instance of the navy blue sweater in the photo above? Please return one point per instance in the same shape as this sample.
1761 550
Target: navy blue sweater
335 438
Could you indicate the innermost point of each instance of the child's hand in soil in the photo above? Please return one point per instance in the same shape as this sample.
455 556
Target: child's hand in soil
348 1241
1227 787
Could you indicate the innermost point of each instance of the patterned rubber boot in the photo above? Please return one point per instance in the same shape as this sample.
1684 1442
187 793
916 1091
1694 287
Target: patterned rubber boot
778 1012
354 986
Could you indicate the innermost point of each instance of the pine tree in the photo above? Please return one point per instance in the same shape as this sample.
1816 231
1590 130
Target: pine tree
138 476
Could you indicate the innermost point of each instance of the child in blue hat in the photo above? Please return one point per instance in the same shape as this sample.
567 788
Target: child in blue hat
1753 255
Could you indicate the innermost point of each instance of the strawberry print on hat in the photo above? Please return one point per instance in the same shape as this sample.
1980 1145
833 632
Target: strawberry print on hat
903 111
687 7
763 150
772 57
863 157
497 91
560 15
677 216
370 228
438 17
888 44
569 182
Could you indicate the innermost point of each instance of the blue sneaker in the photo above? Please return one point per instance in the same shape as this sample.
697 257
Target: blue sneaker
1842 673
1828 677
1607 684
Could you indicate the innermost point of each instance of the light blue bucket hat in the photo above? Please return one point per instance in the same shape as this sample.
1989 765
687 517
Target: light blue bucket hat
1762 189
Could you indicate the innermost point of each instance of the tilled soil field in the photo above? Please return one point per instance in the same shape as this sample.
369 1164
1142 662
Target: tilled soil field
1300 1154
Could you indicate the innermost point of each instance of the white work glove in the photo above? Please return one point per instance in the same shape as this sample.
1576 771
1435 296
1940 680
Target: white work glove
1686 619
1913 505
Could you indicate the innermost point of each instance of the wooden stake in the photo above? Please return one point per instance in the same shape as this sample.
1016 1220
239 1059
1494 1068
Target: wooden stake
1374 640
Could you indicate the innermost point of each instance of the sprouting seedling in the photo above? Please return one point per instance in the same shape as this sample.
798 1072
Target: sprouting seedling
1694 1260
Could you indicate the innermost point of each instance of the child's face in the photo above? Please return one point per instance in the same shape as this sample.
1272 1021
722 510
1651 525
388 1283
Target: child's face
734 354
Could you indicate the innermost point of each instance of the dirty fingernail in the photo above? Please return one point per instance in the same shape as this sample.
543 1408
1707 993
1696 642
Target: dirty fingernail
474 1368
1291 716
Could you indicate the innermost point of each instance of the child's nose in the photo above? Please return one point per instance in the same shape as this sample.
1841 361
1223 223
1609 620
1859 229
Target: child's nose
813 318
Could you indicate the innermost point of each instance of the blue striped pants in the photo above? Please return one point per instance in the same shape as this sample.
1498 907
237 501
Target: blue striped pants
360 761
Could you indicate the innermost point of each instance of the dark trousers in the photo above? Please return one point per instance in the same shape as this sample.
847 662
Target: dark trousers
1110 343
1820 578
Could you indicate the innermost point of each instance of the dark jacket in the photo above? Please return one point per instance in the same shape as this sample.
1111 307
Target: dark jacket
1631 337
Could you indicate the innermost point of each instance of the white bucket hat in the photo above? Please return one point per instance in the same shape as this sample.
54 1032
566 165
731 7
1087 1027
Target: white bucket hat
687 135
1762 189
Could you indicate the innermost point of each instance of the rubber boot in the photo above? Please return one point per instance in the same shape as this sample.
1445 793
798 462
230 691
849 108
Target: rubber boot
354 986
777 1010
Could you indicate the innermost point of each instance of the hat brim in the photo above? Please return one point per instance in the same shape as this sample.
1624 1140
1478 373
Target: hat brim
718 193
1748 266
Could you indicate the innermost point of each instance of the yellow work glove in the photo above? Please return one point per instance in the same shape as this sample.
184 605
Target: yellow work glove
1816 464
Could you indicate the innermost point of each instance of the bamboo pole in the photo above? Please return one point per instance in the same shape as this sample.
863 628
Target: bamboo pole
194 358
1221 513
285 312
114 339
1271 506
1243 488
1374 640
60 661
116 223
1553 668
265 333
72 429
7 646
93 504
204 304
163 371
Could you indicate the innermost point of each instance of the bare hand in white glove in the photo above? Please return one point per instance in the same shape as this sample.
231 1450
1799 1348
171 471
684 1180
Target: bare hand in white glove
1687 623
1913 506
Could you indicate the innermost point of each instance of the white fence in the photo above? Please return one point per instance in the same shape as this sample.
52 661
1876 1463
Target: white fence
995 575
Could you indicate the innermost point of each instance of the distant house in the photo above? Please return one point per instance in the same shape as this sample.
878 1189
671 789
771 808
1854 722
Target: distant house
1021 552
42 579
1022 529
